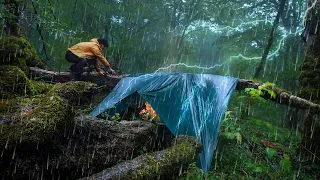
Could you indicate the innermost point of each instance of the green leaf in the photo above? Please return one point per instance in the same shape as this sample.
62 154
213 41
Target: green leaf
229 135
269 84
269 125
255 139
271 152
272 93
248 89
258 122
286 165
255 93
262 100
258 170
242 97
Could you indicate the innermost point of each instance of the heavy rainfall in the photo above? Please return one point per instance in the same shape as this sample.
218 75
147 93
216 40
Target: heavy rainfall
159 89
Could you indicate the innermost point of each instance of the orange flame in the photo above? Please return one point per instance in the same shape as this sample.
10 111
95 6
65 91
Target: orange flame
148 113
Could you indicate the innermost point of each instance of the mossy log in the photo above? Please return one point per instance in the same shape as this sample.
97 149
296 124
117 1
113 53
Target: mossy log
164 164
282 96
61 77
34 122
90 146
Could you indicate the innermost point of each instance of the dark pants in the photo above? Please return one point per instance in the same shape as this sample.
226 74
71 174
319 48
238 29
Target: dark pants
77 66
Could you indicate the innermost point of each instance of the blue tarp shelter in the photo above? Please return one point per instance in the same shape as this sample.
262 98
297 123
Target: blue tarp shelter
189 104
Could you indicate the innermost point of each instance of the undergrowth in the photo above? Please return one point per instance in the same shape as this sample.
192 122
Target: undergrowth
255 149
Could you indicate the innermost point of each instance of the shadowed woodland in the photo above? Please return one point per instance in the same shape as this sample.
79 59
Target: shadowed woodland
271 129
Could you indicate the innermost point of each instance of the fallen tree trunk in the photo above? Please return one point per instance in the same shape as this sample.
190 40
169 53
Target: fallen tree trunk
61 77
91 146
282 96
164 164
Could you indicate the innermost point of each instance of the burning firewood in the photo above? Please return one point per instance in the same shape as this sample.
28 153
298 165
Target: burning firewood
148 113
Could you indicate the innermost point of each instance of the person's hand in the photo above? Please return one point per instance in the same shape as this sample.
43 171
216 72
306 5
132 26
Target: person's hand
102 73
112 71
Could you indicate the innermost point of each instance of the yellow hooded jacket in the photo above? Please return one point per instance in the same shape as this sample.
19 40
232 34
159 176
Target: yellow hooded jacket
90 50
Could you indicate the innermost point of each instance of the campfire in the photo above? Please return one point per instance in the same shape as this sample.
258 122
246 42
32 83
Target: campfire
148 113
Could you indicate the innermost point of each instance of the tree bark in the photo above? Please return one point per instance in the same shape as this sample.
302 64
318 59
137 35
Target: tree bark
282 96
310 84
164 164
62 77
91 146
270 41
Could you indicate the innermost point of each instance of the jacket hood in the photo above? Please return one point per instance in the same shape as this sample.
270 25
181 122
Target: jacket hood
94 40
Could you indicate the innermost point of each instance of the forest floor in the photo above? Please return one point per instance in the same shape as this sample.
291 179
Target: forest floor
255 149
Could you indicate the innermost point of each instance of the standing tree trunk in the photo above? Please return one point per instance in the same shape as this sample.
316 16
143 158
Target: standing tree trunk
11 16
44 49
270 41
310 85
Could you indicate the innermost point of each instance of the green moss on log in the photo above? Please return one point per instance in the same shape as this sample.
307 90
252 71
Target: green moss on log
165 164
51 115
8 106
177 156
75 92
42 87
17 51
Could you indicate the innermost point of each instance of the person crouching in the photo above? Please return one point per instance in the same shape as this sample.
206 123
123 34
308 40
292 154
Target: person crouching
83 52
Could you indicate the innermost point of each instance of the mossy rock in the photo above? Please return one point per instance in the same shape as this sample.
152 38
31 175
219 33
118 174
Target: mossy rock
15 106
19 52
14 81
51 115
37 126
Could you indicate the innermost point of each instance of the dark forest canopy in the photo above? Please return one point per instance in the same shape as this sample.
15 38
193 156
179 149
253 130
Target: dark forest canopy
230 37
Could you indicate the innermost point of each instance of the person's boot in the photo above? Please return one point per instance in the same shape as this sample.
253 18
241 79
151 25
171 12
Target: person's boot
73 78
